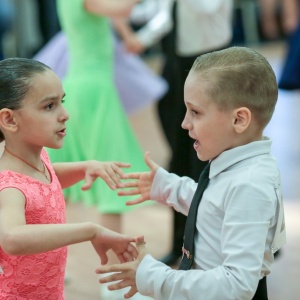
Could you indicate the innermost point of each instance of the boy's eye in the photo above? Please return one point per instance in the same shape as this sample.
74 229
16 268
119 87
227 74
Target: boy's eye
194 112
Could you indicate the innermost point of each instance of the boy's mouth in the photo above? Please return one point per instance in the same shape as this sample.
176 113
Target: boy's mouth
196 144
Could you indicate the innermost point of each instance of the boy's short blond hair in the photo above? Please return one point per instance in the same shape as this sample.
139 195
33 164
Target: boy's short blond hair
240 77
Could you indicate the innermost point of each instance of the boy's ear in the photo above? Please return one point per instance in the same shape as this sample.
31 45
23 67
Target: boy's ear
7 120
241 119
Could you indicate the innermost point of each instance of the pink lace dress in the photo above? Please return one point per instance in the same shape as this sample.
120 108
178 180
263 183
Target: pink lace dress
37 276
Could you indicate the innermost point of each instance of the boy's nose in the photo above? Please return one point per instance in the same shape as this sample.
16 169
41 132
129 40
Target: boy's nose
185 123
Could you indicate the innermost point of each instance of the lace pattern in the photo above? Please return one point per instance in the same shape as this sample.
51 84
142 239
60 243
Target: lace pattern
38 276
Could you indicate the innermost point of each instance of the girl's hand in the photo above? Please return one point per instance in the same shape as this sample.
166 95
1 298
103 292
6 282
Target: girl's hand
143 183
133 45
110 172
105 240
124 274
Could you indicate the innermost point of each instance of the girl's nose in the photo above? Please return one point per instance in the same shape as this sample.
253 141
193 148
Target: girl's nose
64 115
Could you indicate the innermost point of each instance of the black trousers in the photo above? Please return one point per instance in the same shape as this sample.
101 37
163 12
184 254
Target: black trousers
261 291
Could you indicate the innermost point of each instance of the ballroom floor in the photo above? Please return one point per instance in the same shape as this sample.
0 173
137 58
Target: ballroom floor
155 221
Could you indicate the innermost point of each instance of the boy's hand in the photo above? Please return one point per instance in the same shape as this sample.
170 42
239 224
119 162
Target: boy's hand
143 183
120 244
110 172
124 274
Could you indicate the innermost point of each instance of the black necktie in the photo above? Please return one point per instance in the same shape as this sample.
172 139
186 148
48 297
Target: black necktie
190 226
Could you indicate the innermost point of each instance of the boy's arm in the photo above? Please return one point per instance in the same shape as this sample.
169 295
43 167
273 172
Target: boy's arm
173 190
70 173
161 186
234 273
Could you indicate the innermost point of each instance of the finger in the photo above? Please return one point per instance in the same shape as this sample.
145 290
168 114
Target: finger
104 259
112 268
112 177
129 255
126 257
150 163
130 184
88 182
121 258
130 293
132 251
103 269
118 285
136 201
123 164
131 192
111 278
132 175
141 245
140 240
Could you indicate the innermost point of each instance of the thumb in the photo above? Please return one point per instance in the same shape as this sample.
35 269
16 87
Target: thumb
150 163
140 245
88 182
103 258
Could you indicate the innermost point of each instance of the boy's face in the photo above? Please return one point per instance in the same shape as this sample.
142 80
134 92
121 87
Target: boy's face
211 128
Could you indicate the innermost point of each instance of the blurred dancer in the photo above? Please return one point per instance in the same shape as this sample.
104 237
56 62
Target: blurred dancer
93 103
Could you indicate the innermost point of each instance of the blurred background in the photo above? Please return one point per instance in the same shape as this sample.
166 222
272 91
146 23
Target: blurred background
27 25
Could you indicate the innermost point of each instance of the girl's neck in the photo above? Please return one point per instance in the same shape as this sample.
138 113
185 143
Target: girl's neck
32 166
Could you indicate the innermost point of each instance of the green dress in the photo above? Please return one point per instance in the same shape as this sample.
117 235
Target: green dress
98 127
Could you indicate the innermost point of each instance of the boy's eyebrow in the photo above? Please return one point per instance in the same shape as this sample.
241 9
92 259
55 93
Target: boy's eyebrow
191 104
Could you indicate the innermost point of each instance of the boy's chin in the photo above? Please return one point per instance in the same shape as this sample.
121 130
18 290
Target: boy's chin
203 157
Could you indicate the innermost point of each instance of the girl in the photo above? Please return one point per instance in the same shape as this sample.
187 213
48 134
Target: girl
33 233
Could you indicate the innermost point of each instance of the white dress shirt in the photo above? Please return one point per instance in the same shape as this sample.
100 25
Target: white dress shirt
236 224
202 25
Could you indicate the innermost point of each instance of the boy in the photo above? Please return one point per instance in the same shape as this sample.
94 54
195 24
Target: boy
230 96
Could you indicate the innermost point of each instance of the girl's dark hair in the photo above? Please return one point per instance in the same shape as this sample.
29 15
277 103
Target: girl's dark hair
15 81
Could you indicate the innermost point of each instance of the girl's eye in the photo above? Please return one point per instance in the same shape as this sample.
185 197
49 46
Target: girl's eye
49 106
194 112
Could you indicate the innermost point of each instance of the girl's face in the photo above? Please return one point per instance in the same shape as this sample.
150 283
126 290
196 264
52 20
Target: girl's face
211 128
42 118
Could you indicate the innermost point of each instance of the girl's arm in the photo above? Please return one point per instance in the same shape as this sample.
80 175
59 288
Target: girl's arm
110 8
131 42
72 172
19 238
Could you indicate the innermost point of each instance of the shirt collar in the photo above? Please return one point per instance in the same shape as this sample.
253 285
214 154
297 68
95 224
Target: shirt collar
237 154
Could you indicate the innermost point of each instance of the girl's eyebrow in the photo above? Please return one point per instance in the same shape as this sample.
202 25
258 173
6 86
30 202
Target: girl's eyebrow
53 97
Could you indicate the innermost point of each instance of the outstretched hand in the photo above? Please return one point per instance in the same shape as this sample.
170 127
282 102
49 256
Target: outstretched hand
142 183
110 172
124 274
106 239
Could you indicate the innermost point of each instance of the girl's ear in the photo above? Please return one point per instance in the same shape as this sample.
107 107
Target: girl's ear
241 119
7 120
